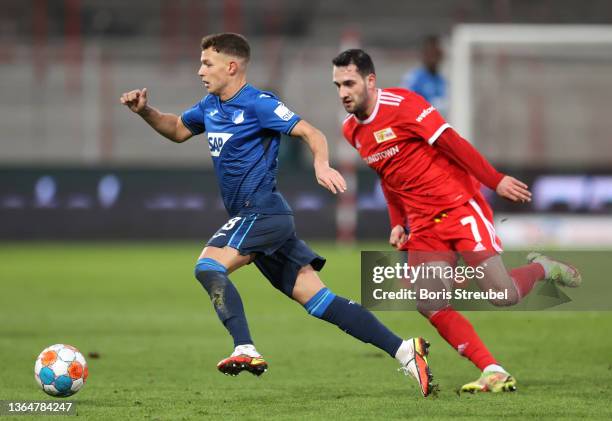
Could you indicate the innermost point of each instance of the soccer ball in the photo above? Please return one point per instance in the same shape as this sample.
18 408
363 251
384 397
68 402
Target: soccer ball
60 370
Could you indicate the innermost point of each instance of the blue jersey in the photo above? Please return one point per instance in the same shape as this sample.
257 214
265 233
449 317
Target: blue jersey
243 135
430 86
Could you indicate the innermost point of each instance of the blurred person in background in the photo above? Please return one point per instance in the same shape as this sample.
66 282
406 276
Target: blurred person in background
426 79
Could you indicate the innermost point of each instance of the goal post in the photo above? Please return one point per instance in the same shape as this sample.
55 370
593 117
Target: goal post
536 98
536 40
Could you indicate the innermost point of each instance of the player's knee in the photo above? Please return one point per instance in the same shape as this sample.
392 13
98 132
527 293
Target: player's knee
211 274
317 305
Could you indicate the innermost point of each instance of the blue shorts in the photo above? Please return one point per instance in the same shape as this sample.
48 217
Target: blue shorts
279 254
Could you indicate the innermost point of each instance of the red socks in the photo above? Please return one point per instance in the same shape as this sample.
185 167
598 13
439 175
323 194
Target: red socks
526 276
460 334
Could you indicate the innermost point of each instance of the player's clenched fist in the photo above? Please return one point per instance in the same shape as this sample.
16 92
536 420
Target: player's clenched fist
135 100
398 236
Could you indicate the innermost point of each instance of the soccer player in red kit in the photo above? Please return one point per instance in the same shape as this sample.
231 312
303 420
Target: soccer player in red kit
431 179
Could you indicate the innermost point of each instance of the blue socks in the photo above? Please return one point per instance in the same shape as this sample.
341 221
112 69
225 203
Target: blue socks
349 316
352 318
225 299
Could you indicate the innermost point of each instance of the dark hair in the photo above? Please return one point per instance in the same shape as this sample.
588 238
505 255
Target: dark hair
359 58
430 39
228 43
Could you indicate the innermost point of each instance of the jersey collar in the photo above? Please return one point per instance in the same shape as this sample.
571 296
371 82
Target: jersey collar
236 95
374 112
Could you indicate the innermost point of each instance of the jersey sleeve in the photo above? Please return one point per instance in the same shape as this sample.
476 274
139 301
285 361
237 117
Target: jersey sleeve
394 205
423 119
469 158
274 115
347 132
193 119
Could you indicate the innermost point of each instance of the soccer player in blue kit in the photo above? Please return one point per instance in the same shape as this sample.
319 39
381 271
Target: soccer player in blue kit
243 127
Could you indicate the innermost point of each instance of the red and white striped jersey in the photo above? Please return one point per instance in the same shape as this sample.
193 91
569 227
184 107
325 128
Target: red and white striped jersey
396 141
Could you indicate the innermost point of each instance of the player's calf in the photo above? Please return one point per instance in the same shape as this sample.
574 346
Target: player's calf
353 319
225 299
496 278
358 322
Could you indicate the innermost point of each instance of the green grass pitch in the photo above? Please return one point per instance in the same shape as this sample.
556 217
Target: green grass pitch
140 307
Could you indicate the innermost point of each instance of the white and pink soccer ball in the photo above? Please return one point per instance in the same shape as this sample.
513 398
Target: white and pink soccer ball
60 370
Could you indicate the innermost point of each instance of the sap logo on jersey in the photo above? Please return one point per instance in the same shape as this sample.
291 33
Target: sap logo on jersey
384 135
216 142
283 112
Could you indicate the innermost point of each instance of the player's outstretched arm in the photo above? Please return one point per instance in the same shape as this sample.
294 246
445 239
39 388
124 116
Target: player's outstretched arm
470 159
328 177
168 125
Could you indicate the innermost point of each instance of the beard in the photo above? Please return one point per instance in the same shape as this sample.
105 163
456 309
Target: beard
360 107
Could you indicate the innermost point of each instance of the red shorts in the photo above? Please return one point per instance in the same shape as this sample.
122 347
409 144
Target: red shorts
467 229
